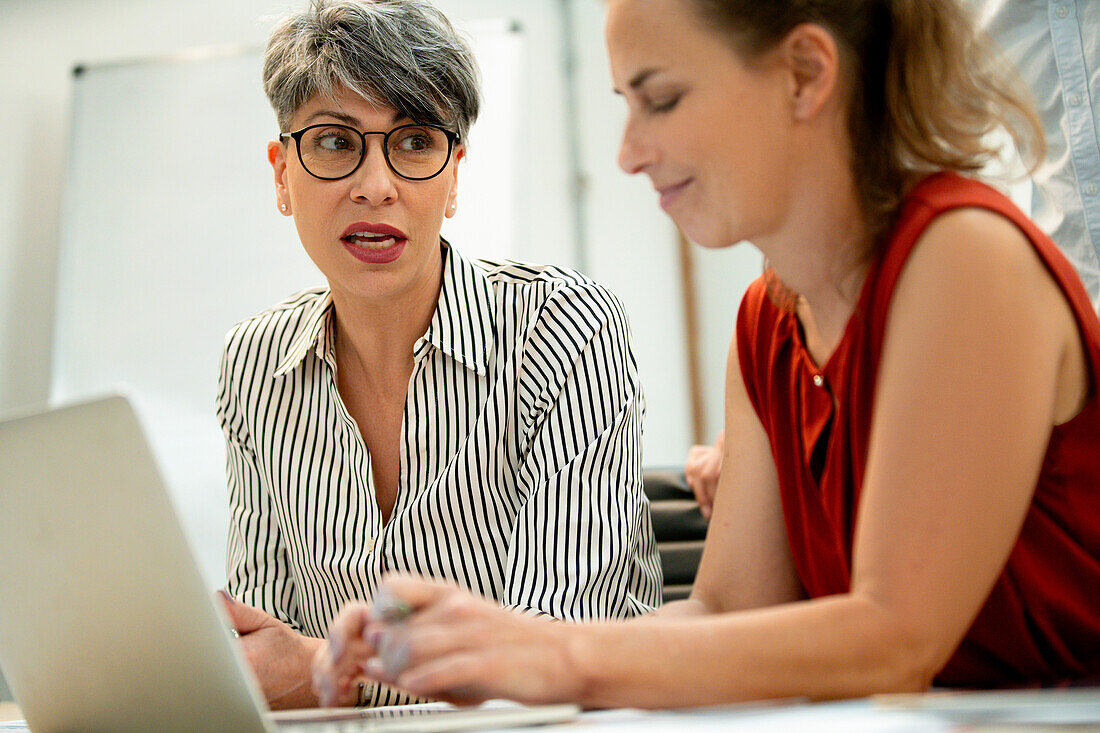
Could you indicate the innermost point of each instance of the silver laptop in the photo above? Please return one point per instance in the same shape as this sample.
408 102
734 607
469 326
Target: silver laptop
105 623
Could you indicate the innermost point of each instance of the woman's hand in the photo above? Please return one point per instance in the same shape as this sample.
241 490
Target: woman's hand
279 656
701 471
338 662
450 646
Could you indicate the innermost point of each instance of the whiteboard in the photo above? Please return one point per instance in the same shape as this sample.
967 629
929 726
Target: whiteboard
170 235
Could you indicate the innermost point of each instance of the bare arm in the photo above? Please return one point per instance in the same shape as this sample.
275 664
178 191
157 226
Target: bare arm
747 559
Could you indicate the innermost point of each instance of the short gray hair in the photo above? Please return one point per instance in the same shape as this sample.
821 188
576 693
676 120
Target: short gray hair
399 53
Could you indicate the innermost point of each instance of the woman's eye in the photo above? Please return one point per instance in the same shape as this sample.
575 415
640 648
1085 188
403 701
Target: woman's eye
663 105
415 142
334 141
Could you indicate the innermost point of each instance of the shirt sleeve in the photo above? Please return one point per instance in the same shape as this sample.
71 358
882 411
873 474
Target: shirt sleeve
257 567
582 546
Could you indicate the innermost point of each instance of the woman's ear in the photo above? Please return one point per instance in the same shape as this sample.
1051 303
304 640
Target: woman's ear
452 200
276 155
813 59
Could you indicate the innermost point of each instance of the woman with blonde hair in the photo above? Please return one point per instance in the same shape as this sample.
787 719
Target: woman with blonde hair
910 490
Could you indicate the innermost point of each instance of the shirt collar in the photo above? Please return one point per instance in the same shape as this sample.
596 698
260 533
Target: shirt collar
314 332
461 327
463 324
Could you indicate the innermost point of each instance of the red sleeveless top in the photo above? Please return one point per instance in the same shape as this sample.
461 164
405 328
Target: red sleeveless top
1041 622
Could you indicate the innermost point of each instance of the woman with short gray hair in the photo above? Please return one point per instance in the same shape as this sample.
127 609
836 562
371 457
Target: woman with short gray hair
477 422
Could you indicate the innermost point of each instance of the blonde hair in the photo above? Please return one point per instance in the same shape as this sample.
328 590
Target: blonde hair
924 88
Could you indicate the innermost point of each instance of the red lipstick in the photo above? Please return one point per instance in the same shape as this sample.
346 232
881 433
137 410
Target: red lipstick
374 243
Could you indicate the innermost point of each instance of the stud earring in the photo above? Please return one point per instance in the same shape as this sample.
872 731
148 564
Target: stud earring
451 208
283 207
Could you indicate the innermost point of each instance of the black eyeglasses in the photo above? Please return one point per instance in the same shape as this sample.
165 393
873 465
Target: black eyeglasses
414 152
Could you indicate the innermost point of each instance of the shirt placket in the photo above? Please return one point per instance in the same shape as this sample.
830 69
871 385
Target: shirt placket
1069 54
359 462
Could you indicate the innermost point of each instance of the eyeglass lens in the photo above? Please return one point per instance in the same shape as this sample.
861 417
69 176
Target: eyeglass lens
413 151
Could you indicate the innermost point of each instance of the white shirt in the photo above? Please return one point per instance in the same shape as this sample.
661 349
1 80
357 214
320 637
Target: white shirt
1055 45
520 473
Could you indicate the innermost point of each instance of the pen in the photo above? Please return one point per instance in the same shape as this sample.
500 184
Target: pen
388 608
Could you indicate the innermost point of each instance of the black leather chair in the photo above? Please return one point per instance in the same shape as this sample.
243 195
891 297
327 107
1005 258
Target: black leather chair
679 527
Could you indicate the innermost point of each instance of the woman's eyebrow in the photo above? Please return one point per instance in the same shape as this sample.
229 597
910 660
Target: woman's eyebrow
343 117
640 78
351 120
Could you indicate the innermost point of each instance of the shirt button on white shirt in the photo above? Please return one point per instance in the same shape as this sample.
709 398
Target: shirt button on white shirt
1092 189
1062 11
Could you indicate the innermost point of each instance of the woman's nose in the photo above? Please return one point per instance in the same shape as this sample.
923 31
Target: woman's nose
634 153
373 182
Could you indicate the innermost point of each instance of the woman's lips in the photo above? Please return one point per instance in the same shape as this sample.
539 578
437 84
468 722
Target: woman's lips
375 249
670 194
374 243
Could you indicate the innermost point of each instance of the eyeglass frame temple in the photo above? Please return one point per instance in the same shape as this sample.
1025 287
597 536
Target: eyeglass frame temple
297 135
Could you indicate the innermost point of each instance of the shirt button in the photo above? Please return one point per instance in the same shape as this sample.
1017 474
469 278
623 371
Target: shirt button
1092 189
818 380
1075 100
1062 11
370 545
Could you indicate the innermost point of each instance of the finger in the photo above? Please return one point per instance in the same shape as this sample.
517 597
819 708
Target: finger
706 507
349 625
712 475
457 678
408 647
388 608
423 617
322 679
336 662
691 463
710 478
393 650
699 491
712 467
415 593
333 682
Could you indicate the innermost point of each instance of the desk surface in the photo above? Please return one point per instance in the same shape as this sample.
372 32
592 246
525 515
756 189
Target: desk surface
1052 710
636 721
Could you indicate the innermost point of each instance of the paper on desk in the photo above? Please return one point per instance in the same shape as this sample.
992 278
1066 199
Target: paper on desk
841 717
1077 706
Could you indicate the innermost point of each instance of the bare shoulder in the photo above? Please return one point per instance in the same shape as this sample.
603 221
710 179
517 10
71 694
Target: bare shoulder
975 276
977 260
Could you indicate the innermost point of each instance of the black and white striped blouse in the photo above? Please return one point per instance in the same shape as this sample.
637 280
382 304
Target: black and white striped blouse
520 473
